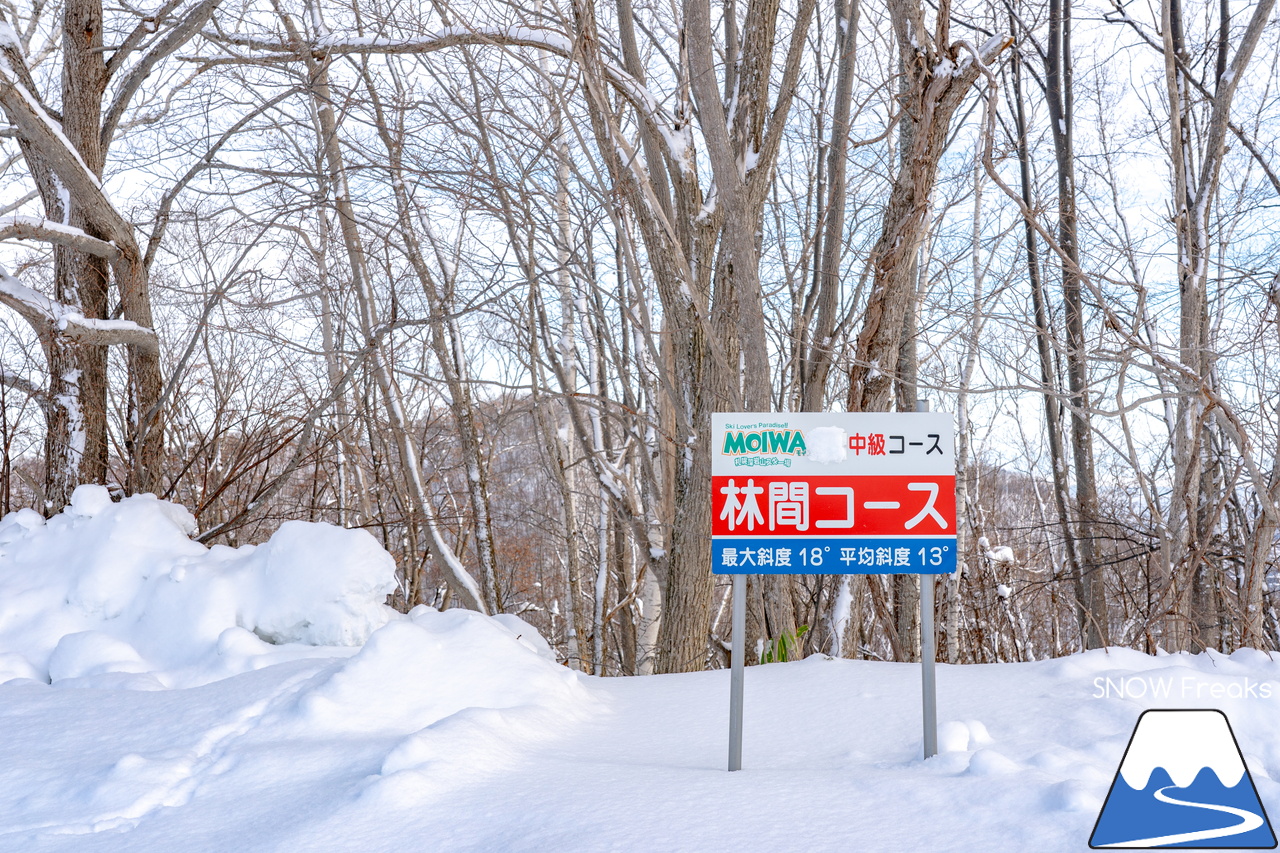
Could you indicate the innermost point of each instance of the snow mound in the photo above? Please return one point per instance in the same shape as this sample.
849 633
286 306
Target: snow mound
122 588
1072 796
956 736
316 584
953 737
414 673
988 762
14 666
89 653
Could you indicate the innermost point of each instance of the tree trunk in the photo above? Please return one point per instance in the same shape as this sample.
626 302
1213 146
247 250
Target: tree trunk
816 363
1048 382
461 582
76 442
937 80
1192 506
1059 95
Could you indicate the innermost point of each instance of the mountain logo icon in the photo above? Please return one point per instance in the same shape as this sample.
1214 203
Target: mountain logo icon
1182 783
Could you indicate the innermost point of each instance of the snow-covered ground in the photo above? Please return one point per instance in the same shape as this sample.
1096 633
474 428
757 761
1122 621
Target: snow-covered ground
172 724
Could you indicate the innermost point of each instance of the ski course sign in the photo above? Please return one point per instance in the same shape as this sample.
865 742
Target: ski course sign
833 493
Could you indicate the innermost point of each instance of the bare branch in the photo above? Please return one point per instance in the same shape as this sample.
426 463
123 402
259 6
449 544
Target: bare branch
146 26
11 50
181 33
166 203
631 89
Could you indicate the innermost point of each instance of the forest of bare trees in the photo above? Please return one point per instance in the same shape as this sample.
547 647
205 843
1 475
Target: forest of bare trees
474 276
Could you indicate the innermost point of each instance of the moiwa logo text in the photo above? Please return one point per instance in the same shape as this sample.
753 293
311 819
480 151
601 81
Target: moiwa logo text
738 442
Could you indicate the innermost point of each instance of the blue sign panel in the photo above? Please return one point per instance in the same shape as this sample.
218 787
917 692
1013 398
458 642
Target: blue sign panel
813 555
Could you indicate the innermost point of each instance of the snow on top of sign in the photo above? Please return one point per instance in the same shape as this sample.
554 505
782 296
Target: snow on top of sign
827 445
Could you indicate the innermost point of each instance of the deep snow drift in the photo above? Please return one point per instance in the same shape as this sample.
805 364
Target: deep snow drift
195 706
119 589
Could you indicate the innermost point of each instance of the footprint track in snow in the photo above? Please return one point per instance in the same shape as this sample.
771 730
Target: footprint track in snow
138 785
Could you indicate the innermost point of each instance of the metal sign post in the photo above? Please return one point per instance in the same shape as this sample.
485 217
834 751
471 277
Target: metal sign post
928 653
832 493
737 670
928 657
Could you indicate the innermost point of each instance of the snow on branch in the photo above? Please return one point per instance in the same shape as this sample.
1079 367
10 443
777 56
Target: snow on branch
982 55
21 383
105 332
33 228
9 37
46 314
39 129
